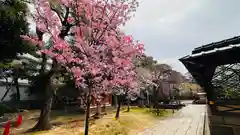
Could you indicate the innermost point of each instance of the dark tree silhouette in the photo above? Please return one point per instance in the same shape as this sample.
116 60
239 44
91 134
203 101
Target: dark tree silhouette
13 24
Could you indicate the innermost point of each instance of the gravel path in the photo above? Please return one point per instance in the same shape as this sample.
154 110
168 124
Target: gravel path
187 121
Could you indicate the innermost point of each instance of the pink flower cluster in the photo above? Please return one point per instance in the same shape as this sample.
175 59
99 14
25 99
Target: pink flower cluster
86 39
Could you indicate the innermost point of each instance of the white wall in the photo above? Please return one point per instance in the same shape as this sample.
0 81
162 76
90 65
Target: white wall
3 89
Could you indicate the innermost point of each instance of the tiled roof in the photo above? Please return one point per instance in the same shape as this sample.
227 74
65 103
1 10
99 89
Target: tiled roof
212 48
220 44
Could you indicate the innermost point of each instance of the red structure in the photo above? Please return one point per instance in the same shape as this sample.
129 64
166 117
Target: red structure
7 129
8 125
19 121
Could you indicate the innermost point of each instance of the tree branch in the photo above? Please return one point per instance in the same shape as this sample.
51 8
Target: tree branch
57 12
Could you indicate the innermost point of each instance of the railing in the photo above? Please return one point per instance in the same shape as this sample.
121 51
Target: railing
226 108
224 118
206 129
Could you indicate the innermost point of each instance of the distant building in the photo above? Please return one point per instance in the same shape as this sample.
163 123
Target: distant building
188 89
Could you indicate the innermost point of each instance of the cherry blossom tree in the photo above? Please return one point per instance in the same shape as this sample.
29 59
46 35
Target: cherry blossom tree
86 40
128 87
145 82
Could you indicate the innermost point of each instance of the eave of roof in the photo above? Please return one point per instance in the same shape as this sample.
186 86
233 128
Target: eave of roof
216 47
216 50
219 44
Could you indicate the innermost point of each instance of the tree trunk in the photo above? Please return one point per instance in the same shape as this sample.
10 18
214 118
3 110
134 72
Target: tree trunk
115 101
43 64
118 107
44 119
18 96
5 94
8 88
104 109
148 100
87 113
128 107
97 115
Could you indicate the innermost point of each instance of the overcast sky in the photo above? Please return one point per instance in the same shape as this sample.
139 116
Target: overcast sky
170 29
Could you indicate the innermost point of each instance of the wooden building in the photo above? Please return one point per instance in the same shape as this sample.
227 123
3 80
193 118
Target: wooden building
216 69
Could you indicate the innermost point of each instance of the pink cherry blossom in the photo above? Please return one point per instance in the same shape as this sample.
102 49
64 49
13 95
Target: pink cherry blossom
69 19
86 39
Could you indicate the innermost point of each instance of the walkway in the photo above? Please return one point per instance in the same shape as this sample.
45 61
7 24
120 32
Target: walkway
188 121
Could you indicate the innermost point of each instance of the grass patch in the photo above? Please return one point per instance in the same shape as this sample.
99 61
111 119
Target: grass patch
162 113
64 118
129 123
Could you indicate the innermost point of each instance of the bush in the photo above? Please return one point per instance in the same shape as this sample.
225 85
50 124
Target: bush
4 108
